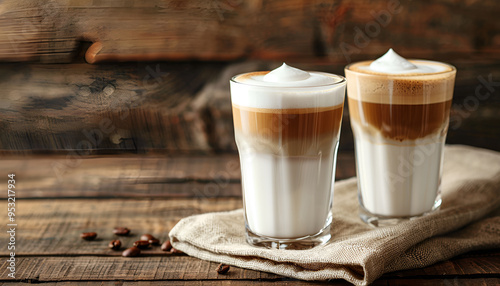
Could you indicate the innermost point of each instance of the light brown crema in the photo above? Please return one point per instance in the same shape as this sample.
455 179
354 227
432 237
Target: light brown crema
247 76
400 107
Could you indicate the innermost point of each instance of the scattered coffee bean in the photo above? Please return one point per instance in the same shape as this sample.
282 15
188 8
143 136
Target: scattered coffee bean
154 241
115 244
142 244
121 231
131 252
88 235
147 237
222 268
173 250
166 246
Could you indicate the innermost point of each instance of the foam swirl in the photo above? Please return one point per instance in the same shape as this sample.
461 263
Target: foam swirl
286 73
392 63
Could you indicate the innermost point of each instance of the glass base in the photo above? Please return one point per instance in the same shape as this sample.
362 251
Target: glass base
381 221
302 243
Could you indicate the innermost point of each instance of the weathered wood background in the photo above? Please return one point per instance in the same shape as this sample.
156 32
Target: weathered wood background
136 76
52 31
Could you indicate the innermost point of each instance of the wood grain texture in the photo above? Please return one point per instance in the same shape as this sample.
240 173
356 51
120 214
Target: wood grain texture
50 250
231 29
219 282
83 107
132 269
175 267
135 176
53 227
284 281
181 107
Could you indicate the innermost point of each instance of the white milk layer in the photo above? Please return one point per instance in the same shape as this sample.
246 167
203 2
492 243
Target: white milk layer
287 197
398 180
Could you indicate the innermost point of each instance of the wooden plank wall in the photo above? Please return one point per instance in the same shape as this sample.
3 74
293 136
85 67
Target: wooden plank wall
50 31
62 88
105 107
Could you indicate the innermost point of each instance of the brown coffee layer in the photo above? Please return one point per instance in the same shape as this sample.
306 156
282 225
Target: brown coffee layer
288 123
289 132
400 122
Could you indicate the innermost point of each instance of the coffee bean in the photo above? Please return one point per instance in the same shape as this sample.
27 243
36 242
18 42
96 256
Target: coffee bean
115 244
166 246
121 231
147 237
131 252
222 268
142 244
154 241
88 235
173 250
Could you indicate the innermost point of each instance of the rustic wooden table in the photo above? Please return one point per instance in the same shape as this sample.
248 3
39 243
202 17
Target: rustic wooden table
59 197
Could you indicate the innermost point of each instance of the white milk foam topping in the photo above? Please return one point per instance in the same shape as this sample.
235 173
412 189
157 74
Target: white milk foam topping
287 87
392 63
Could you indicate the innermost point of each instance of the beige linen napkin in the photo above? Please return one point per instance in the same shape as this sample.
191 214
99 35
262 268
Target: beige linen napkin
469 219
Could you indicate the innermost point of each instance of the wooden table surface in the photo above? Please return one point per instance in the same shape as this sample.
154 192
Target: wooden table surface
61 196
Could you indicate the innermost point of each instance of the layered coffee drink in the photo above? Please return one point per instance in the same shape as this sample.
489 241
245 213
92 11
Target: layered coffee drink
399 113
287 125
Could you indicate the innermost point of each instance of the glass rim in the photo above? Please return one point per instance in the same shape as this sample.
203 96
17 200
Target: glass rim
402 75
341 80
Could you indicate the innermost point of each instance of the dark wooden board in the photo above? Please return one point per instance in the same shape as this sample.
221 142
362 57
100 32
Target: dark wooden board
93 268
218 282
50 250
180 107
135 176
53 227
169 29
134 107
120 268
391 282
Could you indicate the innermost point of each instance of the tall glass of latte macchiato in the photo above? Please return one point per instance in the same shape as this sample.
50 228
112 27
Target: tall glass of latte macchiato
399 111
287 126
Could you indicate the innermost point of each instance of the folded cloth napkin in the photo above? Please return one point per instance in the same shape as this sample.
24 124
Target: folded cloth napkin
469 219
